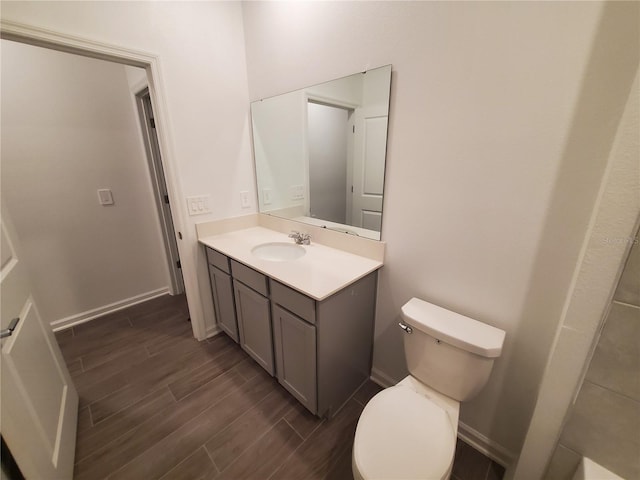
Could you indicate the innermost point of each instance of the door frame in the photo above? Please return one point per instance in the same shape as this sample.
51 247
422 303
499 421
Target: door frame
154 160
40 37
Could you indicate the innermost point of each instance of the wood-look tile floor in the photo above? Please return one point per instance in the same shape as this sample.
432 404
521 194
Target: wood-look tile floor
157 404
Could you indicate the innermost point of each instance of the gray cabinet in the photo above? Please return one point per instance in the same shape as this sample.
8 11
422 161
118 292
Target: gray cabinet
222 291
295 352
320 351
254 323
345 343
323 348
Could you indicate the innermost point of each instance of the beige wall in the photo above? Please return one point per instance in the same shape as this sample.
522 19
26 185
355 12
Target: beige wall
68 129
502 117
605 420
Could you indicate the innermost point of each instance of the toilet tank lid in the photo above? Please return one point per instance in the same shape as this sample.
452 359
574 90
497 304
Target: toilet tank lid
455 329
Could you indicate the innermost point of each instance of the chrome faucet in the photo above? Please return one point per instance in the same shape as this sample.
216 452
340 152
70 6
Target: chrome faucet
300 238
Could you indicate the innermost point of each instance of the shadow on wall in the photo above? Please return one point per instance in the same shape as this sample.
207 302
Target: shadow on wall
606 85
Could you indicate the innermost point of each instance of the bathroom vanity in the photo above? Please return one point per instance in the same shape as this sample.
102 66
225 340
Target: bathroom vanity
307 321
305 313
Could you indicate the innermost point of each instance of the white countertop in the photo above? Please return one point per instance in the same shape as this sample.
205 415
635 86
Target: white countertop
321 272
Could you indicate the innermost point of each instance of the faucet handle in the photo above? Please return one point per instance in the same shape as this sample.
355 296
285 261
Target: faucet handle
300 238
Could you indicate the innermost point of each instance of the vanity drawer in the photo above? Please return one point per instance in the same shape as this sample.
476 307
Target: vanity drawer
250 277
294 301
219 260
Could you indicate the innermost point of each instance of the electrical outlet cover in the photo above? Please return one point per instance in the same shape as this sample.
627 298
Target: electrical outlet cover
245 201
266 196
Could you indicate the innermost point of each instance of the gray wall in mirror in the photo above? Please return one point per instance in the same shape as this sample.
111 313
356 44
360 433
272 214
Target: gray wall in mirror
320 152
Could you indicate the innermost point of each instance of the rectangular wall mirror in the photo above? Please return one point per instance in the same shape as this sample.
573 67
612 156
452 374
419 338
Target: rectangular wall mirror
320 153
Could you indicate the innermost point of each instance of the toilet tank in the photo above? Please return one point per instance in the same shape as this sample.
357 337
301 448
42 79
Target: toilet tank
449 352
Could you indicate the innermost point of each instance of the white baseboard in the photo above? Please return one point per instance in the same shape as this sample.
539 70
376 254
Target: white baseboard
83 317
485 445
470 436
212 331
382 379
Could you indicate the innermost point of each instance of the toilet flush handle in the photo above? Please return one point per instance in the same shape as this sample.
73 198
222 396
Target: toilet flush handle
405 327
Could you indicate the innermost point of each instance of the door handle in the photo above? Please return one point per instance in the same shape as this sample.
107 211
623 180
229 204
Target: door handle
9 330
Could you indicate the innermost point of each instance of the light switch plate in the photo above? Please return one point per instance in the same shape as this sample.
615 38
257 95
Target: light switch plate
199 205
105 197
297 192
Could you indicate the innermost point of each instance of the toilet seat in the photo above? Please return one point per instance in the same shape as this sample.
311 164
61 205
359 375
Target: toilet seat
403 435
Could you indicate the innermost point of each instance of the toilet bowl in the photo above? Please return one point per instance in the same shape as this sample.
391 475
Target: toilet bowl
409 431
389 446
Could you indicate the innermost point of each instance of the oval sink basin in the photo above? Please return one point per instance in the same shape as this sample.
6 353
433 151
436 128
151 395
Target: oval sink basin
278 251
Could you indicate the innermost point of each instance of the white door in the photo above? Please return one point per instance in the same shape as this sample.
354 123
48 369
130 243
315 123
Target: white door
368 168
39 404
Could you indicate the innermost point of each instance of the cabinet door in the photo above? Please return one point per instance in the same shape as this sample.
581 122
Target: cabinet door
254 324
295 350
223 302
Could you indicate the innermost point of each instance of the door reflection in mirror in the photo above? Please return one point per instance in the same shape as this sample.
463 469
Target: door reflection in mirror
320 153
330 154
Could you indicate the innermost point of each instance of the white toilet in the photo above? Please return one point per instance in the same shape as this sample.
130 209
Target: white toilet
409 431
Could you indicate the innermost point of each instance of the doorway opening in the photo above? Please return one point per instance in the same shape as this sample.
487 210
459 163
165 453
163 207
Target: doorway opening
149 63
330 146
